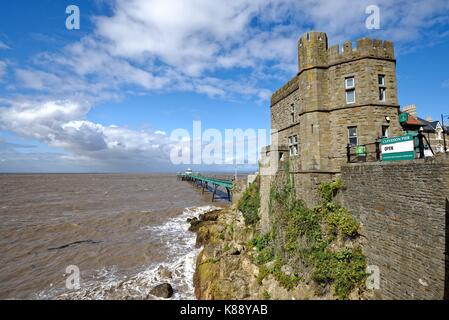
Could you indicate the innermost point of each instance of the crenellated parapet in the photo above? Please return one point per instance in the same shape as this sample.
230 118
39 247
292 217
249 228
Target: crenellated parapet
286 90
364 48
313 51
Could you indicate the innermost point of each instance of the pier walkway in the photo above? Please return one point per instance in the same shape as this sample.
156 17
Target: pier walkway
205 182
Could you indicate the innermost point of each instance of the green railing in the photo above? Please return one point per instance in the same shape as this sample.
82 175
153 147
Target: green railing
204 182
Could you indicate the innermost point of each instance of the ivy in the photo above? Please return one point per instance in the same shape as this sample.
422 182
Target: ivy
249 204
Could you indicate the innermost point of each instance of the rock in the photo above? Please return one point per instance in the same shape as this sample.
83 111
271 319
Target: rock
164 290
236 249
270 265
164 272
207 218
194 225
287 270
210 216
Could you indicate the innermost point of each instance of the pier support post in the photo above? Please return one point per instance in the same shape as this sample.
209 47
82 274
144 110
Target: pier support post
213 195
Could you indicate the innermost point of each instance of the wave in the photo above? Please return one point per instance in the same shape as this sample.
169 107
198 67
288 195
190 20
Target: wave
178 269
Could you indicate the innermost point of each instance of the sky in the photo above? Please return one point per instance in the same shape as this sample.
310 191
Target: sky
107 97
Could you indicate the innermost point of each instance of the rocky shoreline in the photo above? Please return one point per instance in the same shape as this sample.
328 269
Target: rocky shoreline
225 268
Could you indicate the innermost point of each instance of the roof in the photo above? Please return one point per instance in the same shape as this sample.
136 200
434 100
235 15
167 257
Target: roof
412 121
429 126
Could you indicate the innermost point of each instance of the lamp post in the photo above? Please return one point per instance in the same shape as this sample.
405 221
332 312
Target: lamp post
444 129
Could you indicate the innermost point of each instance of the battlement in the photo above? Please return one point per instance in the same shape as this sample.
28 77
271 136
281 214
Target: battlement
364 47
313 50
286 90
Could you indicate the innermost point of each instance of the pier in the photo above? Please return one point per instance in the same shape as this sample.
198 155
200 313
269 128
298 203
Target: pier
204 182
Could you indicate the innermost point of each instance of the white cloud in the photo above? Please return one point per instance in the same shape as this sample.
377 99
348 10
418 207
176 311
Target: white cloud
37 80
62 124
187 35
186 45
3 46
174 45
194 36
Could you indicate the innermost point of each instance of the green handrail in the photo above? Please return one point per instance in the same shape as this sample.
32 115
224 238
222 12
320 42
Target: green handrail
219 182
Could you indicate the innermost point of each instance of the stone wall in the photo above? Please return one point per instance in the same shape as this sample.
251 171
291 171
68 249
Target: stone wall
285 91
365 73
368 120
403 210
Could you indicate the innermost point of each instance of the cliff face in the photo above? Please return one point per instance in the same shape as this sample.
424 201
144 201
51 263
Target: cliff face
225 267
307 253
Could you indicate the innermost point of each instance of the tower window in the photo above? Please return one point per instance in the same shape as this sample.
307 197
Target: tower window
382 88
292 112
352 136
293 145
350 90
385 130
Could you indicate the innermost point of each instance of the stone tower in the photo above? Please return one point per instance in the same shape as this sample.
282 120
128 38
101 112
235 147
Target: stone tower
340 96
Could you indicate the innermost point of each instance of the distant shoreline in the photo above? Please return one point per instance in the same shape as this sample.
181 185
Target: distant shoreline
164 173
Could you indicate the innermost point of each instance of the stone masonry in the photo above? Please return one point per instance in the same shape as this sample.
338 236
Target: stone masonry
402 206
313 106
403 210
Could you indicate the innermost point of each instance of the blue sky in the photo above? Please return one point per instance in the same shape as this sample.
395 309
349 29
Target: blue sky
107 96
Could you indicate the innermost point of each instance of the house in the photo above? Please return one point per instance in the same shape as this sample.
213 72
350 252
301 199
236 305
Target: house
432 130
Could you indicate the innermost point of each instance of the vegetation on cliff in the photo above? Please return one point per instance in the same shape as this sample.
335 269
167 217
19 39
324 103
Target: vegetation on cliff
249 204
304 245
309 253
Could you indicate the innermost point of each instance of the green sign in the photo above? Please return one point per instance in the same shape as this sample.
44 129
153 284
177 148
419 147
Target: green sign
360 151
398 148
403 117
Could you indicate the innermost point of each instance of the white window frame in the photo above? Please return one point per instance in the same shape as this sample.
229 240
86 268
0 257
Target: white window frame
356 135
293 145
353 82
350 88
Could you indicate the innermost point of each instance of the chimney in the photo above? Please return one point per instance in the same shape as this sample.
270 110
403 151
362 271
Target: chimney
429 118
411 110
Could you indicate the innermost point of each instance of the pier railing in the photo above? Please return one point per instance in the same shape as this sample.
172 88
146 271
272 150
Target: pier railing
372 151
205 182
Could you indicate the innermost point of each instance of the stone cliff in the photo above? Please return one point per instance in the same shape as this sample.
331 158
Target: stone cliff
305 255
